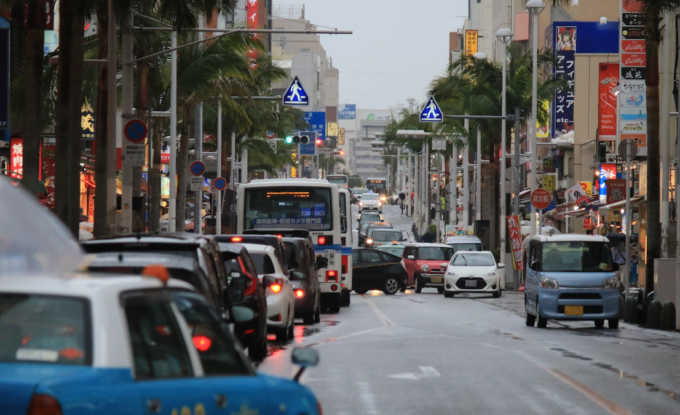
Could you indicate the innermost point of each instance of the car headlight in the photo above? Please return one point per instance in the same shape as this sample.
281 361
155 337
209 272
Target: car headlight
361 203
450 273
369 241
612 282
424 267
549 283
379 204
490 274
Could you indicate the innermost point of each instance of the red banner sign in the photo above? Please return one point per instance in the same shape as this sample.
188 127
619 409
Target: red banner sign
16 158
609 79
633 46
634 59
165 158
616 190
515 235
253 22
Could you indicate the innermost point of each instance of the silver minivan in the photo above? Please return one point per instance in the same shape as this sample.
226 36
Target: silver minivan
571 277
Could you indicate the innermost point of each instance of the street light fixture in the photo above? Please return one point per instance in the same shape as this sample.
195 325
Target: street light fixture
504 35
535 7
480 55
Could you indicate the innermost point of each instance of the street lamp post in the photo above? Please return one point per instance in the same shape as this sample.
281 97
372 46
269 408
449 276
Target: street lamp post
504 35
535 7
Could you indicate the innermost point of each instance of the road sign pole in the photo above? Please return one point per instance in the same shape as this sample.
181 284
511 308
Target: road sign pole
172 203
218 217
628 225
466 182
198 150
126 213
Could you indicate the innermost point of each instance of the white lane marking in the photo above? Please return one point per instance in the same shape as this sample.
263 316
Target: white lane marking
386 321
489 345
428 372
367 398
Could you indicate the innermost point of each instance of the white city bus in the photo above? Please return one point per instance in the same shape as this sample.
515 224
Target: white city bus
340 180
346 242
277 205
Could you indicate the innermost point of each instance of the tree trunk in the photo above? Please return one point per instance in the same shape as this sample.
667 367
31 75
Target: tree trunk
155 183
35 38
101 225
138 224
69 104
653 248
182 157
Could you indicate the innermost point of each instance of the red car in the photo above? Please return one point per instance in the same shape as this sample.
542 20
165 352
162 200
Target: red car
426 264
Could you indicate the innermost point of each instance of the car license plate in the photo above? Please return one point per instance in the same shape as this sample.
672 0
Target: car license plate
573 310
436 280
471 283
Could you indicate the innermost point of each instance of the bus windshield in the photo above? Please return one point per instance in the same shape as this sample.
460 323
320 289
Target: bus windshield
288 207
338 179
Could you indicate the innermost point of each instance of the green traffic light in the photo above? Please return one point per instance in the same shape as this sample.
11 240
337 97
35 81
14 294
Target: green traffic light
289 139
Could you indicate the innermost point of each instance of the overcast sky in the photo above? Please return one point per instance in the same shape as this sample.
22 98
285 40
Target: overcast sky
397 48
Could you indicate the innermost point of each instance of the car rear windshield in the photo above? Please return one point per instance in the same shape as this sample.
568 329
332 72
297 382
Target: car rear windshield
44 329
576 257
373 228
474 260
176 273
471 246
435 253
394 250
370 196
366 217
387 236
263 263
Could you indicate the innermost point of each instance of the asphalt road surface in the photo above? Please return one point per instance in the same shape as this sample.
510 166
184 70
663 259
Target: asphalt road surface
424 354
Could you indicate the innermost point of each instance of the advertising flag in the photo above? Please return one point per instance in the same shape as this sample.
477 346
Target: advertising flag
609 79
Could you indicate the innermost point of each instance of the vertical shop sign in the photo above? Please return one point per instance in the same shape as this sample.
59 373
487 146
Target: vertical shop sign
607 172
563 108
252 15
606 106
616 190
515 242
16 158
632 103
471 42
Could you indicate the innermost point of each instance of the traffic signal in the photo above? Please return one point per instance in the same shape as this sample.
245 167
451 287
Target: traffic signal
342 152
289 139
297 139
304 139
319 142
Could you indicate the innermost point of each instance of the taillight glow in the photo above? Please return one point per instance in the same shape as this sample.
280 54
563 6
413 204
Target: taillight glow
276 288
334 287
236 239
44 405
299 293
322 240
202 343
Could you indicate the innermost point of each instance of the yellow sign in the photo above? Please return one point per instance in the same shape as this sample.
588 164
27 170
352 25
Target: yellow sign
332 130
549 183
471 45
293 172
341 137
587 187
542 129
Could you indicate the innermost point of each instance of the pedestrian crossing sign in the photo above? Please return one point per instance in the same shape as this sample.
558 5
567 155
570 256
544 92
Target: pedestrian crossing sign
295 94
431 112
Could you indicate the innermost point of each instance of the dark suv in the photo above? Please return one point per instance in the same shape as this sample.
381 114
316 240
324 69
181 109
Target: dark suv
299 257
270 240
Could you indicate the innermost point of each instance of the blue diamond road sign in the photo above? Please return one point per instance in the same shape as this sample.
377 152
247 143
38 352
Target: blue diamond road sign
295 94
431 112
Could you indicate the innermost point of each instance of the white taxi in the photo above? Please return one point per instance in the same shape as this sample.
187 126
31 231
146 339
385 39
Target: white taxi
370 201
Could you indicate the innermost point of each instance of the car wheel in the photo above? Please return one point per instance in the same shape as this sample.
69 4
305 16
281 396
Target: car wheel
391 286
530 319
334 305
402 288
599 323
362 291
448 294
309 318
542 322
281 334
291 331
417 283
440 290
613 323
258 351
317 315
496 294
344 299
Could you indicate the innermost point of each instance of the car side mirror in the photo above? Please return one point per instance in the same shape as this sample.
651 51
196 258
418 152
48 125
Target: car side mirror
296 275
304 357
501 266
268 280
321 262
242 314
535 265
293 264
235 290
411 257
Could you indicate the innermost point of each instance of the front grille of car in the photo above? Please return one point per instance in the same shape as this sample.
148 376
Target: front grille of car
462 283
587 309
580 296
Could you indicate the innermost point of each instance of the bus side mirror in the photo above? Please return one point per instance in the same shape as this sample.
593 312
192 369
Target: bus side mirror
321 262
343 224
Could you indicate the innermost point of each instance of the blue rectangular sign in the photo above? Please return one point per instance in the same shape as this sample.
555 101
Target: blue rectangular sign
308 149
347 112
317 123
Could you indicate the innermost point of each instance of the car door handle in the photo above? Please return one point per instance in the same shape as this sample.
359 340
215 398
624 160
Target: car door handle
154 405
221 401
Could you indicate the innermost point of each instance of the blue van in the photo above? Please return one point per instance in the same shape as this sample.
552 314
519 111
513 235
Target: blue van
571 277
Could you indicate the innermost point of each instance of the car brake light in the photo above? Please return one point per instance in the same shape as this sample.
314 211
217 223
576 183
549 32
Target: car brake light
236 239
276 288
332 275
322 240
299 293
44 405
334 287
202 343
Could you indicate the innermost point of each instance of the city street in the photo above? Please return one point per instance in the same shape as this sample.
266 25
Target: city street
424 354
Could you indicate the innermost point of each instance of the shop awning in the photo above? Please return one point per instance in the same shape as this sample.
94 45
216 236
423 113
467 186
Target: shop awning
620 205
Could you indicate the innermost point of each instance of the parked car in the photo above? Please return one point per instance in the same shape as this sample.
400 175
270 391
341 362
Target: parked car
369 232
376 270
385 237
280 296
473 272
464 243
394 249
370 202
132 345
270 240
425 264
239 266
298 253
571 277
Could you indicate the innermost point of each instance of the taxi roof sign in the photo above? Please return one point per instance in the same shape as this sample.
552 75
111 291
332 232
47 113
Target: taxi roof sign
431 112
295 94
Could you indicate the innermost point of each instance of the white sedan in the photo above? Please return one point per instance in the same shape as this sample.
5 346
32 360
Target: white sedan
370 201
474 272
280 295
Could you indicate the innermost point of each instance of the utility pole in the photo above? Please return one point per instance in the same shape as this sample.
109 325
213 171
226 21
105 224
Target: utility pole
466 181
664 137
218 221
453 174
515 208
127 85
111 124
478 182
172 203
198 151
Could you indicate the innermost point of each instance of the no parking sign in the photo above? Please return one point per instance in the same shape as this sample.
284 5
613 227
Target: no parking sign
135 132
